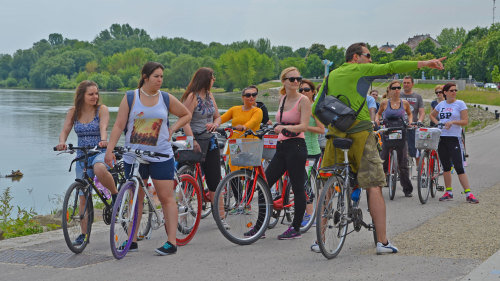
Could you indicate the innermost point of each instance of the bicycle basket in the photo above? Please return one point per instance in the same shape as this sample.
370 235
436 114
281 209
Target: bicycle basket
270 142
427 138
245 152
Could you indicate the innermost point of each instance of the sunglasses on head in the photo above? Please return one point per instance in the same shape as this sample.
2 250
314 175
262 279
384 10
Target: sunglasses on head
439 92
304 90
396 88
293 79
250 95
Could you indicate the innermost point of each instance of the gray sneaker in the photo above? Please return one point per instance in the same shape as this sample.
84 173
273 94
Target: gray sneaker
315 247
386 249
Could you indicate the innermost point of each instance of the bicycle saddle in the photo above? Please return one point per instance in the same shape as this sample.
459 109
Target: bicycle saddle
342 143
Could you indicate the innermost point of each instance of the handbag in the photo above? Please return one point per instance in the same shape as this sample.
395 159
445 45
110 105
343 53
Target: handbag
332 111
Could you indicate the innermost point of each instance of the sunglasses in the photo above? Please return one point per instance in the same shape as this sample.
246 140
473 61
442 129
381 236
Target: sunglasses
454 90
439 92
396 88
304 90
368 55
250 95
293 79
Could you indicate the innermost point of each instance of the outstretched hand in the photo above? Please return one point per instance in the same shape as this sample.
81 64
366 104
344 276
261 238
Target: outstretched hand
435 63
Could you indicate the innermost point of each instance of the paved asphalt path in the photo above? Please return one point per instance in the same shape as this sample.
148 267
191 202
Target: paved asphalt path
209 256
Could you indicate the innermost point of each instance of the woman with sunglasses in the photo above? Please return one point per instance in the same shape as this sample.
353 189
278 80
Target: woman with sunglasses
244 117
314 129
393 111
439 98
454 115
291 151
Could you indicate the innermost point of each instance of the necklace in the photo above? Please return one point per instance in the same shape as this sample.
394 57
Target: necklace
146 94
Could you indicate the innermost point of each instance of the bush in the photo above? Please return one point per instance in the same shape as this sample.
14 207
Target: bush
100 78
114 83
10 82
57 81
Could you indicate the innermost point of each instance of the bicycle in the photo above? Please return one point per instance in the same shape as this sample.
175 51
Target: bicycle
427 140
125 214
78 206
336 210
193 168
245 193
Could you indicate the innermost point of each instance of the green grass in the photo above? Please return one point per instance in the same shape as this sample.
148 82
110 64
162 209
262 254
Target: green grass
481 97
267 85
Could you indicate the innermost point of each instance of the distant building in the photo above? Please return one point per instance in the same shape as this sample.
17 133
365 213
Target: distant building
415 40
387 48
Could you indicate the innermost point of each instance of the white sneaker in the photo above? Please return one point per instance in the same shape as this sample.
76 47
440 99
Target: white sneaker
387 249
226 225
315 247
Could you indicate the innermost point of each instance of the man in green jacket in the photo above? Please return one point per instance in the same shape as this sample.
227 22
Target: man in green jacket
353 79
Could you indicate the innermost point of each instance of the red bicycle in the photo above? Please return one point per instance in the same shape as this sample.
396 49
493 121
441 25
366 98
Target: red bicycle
427 140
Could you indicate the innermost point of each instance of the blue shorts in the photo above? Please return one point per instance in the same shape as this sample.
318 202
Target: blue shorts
156 170
98 158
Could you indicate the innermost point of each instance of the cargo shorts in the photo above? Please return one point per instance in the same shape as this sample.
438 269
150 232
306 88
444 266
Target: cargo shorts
363 156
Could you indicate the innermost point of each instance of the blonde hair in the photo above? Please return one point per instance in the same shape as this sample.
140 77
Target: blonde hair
438 87
283 76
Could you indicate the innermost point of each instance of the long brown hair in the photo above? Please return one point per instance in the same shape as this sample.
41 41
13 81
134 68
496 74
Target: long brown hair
147 70
80 97
200 82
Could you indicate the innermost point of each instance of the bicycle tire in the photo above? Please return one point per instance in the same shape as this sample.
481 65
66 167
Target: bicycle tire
435 174
311 195
147 216
275 218
120 236
393 173
206 207
332 216
71 224
188 198
423 176
246 217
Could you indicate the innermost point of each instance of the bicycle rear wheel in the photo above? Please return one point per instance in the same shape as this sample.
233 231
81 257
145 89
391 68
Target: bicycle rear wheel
77 216
188 198
434 176
206 207
393 173
423 178
145 225
331 219
311 198
244 216
123 222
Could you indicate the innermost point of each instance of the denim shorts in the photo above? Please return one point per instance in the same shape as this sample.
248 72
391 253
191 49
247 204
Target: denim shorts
98 158
156 170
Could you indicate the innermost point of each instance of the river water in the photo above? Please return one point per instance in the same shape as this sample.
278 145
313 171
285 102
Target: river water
30 122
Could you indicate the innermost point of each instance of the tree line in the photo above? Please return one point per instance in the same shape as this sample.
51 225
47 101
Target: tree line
114 58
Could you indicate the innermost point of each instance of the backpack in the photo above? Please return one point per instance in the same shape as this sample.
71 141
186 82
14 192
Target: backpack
130 99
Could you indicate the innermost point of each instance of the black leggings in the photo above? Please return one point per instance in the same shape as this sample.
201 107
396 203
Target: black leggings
291 156
449 151
211 168
404 173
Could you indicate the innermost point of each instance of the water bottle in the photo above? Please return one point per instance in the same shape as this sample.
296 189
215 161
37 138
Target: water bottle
355 194
104 191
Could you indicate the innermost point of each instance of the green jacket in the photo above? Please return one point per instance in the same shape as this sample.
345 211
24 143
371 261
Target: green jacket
353 80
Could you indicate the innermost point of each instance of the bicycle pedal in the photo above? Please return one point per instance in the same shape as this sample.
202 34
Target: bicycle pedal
440 188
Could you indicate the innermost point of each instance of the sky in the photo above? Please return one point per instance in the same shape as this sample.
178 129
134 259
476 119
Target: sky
292 23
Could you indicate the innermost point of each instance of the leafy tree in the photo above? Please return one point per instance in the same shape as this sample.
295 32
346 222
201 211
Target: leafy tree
426 47
114 83
57 81
301 52
22 61
314 67
495 74
11 82
317 49
165 58
56 39
335 55
100 78
41 47
181 70
263 46
283 51
48 66
134 57
214 50
299 63
451 37
402 51
5 61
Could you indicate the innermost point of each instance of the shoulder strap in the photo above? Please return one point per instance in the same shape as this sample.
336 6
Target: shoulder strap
281 109
166 101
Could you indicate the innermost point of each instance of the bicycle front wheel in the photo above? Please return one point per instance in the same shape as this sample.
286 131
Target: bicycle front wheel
242 215
123 222
393 173
188 198
331 219
77 216
311 198
206 207
423 178
147 215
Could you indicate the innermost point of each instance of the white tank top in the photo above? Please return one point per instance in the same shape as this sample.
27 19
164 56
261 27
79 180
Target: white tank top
147 129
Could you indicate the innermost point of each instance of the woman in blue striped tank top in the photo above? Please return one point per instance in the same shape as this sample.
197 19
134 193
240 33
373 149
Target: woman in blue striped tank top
148 129
90 121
